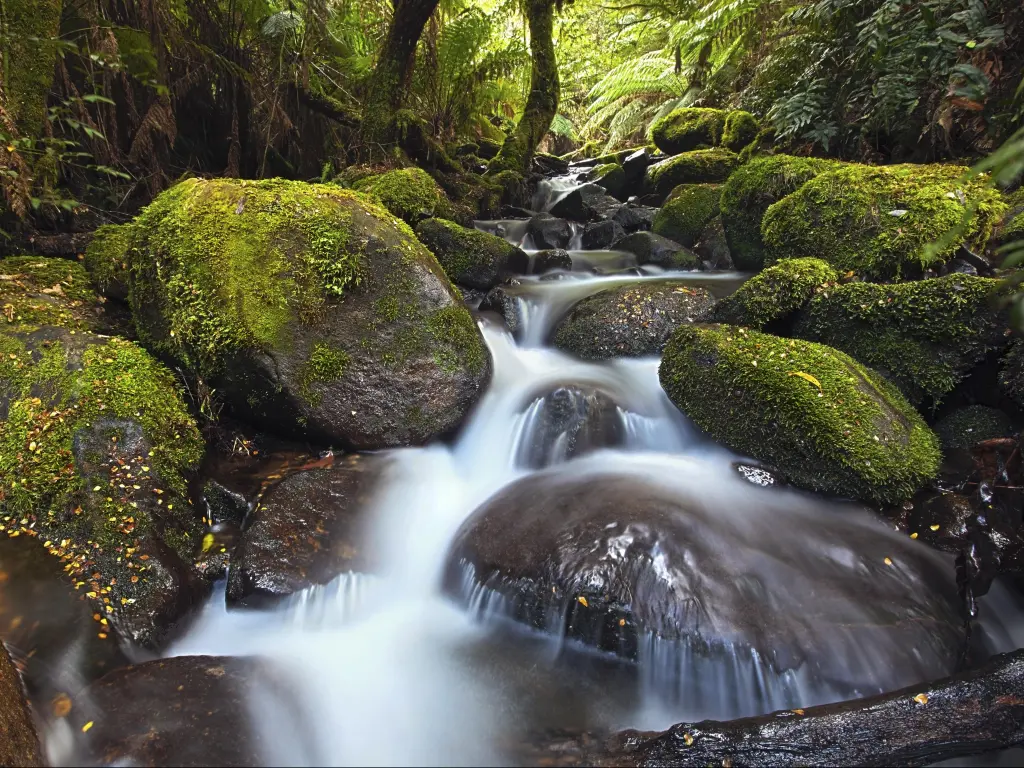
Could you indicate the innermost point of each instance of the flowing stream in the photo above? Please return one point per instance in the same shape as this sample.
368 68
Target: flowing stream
387 669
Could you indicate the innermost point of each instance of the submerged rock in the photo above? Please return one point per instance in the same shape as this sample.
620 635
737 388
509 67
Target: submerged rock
828 423
547 261
19 744
926 335
183 711
750 191
568 422
633 320
774 294
546 231
879 221
635 218
704 593
601 234
310 309
96 451
699 167
470 257
686 212
306 530
589 202
650 248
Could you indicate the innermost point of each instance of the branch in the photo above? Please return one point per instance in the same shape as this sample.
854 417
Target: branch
978 711
326 108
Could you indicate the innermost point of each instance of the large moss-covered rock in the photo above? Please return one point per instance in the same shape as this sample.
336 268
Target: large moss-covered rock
686 212
19 744
740 130
879 221
630 321
309 308
925 336
96 448
775 293
748 193
411 194
687 129
470 257
699 167
825 421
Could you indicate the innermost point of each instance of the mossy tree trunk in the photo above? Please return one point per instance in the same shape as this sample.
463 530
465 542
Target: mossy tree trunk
388 85
542 103
28 29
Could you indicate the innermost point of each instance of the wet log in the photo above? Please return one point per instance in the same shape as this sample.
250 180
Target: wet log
968 714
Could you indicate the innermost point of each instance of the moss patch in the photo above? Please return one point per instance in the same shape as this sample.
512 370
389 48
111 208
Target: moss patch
687 211
925 335
31 28
966 427
687 129
46 291
470 257
702 166
750 191
325 364
876 221
106 259
411 194
740 130
775 293
827 422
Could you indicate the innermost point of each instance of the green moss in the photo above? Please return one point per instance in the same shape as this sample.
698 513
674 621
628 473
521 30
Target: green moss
827 422
46 291
775 293
687 129
468 256
222 266
877 221
455 331
686 212
750 191
106 258
740 130
1012 225
702 166
925 335
30 29
966 427
410 194
511 186
325 364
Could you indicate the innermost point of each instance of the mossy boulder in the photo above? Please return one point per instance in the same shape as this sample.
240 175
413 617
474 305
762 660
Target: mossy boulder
878 221
611 177
96 449
775 293
966 427
926 336
650 248
38 290
740 130
687 129
825 421
1012 225
411 194
470 257
750 191
631 320
686 212
1011 373
105 260
310 309
700 167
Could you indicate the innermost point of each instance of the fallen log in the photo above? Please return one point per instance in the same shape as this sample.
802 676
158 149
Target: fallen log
968 714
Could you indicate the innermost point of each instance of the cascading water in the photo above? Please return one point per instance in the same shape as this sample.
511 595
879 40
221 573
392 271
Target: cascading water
388 670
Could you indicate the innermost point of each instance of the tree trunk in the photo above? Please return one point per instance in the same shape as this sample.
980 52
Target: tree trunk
968 714
389 83
542 103
29 29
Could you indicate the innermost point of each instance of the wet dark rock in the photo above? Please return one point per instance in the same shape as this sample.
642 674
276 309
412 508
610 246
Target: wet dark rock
470 257
712 248
306 530
1011 374
630 321
19 744
549 165
567 422
600 235
634 166
555 258
506 304
472 297
609 559
548 231
182 711
218 545
515 212
589 202
224 505
650 248
635 218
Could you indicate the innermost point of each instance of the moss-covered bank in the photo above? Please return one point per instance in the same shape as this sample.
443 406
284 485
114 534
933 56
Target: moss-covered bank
411 194
691 128
827 422
699 167
775 293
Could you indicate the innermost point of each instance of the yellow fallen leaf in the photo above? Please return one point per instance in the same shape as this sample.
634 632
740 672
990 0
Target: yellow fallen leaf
888 561
87 726
921 698
806 377
934 527
688 739
913 535
797 711
208 540
583 601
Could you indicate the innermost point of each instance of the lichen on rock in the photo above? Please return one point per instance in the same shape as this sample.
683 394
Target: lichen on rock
827 422
879 221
